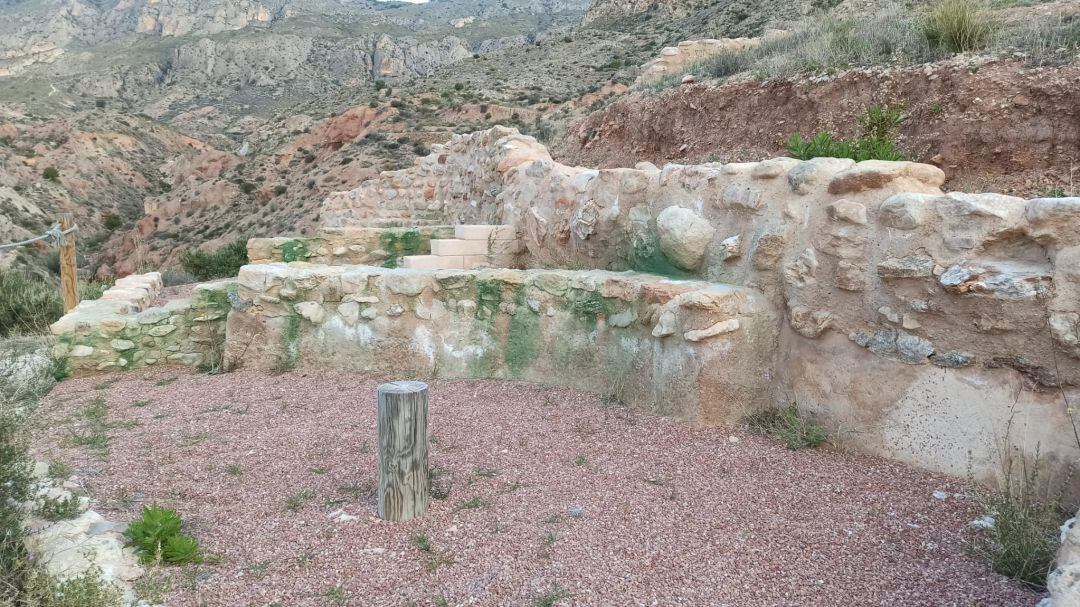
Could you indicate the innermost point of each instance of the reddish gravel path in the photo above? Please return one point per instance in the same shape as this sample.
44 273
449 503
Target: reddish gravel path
673 515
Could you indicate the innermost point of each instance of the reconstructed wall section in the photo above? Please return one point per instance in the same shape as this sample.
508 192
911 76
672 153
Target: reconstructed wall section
459 182
349 246
120 331
688 348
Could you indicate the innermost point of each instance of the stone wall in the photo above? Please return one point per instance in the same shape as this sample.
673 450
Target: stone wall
457 183
349 246
120 331
938 328
687 348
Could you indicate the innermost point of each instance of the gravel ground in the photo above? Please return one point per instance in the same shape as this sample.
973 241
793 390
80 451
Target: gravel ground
552 494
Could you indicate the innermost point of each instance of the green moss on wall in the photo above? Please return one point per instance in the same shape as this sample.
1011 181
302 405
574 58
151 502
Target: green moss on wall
293 250
401 242
488 298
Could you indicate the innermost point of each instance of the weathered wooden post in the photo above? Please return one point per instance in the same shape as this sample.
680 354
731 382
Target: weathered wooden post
403 450
69 278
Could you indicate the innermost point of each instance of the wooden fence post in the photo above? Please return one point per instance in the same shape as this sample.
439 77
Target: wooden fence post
69 278
403 450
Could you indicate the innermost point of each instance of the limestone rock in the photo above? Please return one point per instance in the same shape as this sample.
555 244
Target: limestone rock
847 211
906 267
311 311
350 312
877 174
684 236
719 328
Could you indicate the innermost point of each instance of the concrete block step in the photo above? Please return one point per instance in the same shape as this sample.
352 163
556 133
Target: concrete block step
485 232
454 246
433 262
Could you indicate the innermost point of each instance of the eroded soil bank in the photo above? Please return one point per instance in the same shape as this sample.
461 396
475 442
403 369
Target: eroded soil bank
992 127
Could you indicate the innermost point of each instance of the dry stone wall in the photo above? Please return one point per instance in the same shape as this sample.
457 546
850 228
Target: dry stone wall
687 348
120 332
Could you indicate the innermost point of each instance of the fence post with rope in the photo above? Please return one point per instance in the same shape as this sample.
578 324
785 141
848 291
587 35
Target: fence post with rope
69 278
62 235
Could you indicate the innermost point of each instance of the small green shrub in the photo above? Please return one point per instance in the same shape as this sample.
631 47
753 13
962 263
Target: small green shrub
86 590
113 221
1023 540
92 290
60 509
156 536
51 173
789 425
879 124
27 305
961 26
222 263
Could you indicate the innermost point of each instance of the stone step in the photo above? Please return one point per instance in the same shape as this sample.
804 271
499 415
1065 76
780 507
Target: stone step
485 232
433 262
454 246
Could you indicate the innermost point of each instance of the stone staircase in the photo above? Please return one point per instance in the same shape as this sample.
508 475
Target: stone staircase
473 246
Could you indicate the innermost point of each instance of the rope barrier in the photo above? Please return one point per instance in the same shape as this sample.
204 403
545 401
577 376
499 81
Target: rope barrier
54 234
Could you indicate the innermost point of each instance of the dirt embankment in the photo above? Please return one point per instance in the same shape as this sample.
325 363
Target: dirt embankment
997 126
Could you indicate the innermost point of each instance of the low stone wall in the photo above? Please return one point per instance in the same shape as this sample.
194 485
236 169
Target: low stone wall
119 331
687 348
349 246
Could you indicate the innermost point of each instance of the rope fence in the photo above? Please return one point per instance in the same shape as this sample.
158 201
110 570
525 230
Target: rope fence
55 234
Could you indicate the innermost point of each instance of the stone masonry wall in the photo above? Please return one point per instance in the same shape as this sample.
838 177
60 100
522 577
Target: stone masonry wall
457 183
687 348
120 332
938 328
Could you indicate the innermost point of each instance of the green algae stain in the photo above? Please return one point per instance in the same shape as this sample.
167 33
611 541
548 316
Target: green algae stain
587 306
647 257
293 250
488 298
401 242
522 336
290 342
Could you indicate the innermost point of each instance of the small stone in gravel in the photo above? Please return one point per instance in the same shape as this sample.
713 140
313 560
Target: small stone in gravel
983 522
576 511
940 495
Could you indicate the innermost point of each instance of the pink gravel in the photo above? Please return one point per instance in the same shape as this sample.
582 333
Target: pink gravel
673 514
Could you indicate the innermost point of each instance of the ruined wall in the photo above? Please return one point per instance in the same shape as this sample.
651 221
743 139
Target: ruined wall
687 348
120 331
349 246
457 183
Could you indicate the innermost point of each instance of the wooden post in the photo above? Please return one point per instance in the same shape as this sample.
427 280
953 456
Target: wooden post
69 278
403 450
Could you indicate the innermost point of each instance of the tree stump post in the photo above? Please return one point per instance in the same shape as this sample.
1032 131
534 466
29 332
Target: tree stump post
69 278
403 450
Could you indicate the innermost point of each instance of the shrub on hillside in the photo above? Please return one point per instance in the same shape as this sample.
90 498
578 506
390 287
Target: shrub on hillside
222 263
51 173
961 26
879 124
27 305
